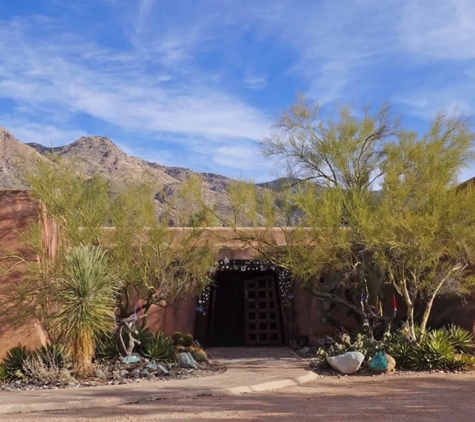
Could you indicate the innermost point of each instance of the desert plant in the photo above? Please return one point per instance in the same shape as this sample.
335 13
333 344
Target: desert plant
400 349
180 342
463 362
45 369
53 353
188 339
176 336
461 339
143 335
86 295
3 372
199 355
160 349
14 359
434 352
109 349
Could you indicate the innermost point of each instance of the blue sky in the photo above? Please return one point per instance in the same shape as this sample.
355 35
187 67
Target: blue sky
196 83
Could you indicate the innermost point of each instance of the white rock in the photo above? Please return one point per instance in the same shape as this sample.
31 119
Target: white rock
185 360
348 363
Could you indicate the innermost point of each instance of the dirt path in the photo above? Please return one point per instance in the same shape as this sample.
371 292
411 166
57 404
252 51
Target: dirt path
435 398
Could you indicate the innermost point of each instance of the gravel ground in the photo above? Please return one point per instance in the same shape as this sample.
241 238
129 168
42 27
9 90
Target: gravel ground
418 397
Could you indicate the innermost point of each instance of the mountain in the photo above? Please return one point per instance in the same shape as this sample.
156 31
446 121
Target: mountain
15 157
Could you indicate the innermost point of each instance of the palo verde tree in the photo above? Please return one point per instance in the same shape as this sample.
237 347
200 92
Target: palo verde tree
149 262
423 231
375 204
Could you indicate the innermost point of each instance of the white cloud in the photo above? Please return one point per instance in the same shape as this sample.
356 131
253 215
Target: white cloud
253 81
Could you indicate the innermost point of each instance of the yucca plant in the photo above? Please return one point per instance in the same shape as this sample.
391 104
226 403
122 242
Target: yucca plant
161 349
86 297
14 359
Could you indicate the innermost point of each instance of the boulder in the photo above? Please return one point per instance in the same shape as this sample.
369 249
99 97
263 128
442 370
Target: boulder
185 360
347 363
382 362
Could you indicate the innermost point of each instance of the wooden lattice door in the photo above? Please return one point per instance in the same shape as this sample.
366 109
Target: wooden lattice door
262 312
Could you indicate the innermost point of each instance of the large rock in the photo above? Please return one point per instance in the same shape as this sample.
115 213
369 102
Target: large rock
382 362
185 360
348 363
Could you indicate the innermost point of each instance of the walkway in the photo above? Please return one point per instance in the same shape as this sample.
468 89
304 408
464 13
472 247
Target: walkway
249 370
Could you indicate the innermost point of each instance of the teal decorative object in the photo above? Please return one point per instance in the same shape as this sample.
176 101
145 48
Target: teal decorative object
379 363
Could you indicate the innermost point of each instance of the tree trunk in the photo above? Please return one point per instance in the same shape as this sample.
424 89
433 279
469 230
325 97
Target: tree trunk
428 308
410 311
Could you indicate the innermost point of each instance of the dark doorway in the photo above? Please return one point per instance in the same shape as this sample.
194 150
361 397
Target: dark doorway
235 317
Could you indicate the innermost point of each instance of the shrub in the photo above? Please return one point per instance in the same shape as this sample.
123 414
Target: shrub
160 349
44 369
188 339
53 354
14 359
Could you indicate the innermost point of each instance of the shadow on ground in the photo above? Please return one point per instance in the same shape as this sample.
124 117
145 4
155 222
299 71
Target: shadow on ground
445 397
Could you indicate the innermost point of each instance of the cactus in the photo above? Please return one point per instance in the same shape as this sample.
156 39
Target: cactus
176 336
199 355
180 342
188 338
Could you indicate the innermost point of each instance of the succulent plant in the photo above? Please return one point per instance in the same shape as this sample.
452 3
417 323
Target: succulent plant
188 338
14 358
160 349
199 355
176 336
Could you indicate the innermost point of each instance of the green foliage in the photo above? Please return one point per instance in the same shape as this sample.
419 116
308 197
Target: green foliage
401 350
199 355
434 352
14 359
109 349
86 296
360 343
4 373
143 335
188 340
160 349
461 340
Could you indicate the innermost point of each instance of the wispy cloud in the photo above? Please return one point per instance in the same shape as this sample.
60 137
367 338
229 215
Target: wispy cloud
194 83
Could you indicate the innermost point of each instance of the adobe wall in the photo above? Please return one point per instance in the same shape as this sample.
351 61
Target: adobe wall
17 211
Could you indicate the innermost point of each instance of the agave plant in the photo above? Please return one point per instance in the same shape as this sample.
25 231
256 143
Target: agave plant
3 372
461 339
86 295
161 349
14 359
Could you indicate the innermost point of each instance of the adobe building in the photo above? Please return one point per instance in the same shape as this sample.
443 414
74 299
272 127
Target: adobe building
250 303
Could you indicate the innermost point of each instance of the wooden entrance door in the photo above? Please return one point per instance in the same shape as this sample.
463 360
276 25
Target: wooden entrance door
262 315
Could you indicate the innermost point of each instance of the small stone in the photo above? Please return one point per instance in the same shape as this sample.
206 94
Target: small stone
135 374
145 372
152 366
99 373
124 373
131 359
161 370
